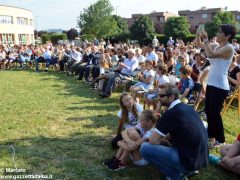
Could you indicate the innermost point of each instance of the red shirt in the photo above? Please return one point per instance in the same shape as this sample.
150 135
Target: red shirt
238 138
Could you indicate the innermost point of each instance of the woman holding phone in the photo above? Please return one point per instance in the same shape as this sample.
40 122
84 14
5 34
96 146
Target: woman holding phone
220 58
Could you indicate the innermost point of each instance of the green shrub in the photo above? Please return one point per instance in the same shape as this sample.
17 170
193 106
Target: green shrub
189 38
87 37
162 39
45 38
56 37
237 37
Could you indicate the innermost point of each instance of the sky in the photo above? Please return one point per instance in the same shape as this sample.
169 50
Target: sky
55 14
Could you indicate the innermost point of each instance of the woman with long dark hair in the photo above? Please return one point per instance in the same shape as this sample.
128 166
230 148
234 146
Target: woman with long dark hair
220 58
128 116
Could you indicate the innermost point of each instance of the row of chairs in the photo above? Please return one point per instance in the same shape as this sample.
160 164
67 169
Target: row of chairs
196 92
230 101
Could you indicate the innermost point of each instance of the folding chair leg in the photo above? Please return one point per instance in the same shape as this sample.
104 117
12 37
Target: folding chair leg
226 105
236 95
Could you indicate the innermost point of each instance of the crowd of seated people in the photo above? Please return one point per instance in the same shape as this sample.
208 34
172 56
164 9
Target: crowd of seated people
177 66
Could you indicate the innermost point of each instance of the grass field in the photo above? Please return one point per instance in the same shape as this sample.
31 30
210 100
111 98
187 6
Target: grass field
58 126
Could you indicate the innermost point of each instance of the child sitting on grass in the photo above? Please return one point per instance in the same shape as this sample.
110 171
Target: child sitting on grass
132 139
128 116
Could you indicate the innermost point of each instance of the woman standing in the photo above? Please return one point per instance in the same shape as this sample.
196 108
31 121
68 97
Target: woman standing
220 58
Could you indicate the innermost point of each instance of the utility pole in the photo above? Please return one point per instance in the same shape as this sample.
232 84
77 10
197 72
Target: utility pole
117 9
37 25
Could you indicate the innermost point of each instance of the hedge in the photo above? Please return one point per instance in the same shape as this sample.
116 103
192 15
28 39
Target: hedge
87 37
56 37
164 39
237 37
45 38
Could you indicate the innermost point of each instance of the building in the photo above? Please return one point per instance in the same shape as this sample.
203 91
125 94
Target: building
158 18
16 25
203 15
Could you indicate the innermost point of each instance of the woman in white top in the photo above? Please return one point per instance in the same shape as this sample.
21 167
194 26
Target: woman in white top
220 58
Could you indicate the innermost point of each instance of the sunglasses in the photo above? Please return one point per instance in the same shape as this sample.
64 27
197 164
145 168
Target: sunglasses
163 95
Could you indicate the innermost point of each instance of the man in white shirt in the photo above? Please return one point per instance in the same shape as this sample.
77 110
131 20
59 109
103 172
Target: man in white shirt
76 57
126 70
155 42
152 56
170 42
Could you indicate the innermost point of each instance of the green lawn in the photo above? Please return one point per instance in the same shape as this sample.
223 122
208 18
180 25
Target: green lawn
59 126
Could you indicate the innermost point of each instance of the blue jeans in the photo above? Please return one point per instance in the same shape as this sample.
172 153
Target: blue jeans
165 158
38 60
109 84
23 59
48 62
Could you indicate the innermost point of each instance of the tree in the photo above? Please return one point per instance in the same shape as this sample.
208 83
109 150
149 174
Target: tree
122 31
35 34
97 20
177 27
142 30
45 37
55 37
72 34
221 17
41 33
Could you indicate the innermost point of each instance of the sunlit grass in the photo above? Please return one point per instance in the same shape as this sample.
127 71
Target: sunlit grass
59 126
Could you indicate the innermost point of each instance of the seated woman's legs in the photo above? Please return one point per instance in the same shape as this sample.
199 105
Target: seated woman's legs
231 157
231 164
224 149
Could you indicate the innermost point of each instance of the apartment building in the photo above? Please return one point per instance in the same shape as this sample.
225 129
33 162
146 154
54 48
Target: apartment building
203 15
16 25
158 18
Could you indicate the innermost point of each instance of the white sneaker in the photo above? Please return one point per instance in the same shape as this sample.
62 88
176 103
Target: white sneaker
141 162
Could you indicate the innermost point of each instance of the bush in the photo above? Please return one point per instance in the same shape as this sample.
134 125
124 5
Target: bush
87 37
45 38
189 38
162 39
237 37
56 37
